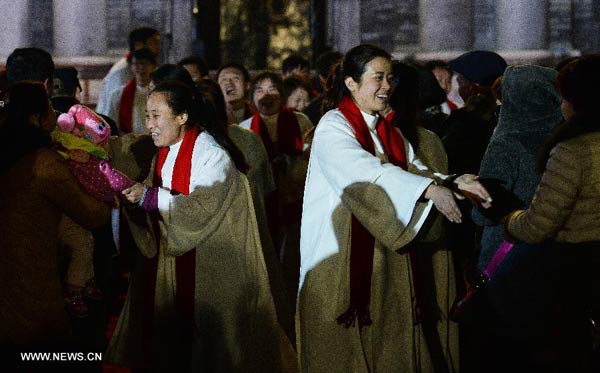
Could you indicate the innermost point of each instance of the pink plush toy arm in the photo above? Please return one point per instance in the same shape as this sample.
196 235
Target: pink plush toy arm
117 180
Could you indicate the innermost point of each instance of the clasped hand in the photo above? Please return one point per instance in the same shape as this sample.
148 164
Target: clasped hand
464 186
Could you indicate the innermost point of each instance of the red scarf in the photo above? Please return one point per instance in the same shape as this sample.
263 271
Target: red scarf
126 107
289 137
362 244
185 265
451 105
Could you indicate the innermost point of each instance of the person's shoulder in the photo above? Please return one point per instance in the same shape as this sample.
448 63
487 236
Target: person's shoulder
587 143
117 68
304 121
48 161
116 93
209 145
301 116
334 115
244 134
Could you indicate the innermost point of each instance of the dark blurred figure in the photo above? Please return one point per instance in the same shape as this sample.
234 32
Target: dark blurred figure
411 92
515 324
324 66
36 189
196 66
443 74
295 65
563 212
170 72
465 134
66 91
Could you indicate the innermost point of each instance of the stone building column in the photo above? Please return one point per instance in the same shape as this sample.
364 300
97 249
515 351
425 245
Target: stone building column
79 28
182 32
344 24
521 24
14 32
446 25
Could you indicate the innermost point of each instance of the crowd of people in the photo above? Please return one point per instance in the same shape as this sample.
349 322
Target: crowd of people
361 220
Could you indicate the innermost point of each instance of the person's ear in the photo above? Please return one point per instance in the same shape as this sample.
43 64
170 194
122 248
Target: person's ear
181 118
350 84
49 85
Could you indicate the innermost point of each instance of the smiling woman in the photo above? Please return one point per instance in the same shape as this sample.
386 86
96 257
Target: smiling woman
200 297
361 210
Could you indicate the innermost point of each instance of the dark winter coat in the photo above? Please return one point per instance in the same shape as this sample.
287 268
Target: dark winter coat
530 110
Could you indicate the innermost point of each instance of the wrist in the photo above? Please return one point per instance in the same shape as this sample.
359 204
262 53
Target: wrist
450 182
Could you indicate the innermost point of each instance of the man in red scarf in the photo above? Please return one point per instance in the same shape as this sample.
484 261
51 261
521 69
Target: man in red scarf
128 104
234 80
282 133
120 73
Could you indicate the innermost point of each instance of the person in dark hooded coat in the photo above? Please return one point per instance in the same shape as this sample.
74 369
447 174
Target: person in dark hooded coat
518 296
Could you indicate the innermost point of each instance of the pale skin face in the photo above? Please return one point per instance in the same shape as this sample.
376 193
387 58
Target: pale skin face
266 98
298 100
165 127
233 85
371 93
444 78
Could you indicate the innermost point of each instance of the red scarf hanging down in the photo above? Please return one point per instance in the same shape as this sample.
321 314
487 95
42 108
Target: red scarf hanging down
362 244
289 137
126 107
185 265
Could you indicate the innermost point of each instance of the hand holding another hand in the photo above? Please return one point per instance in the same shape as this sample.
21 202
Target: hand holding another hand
134 193
469 186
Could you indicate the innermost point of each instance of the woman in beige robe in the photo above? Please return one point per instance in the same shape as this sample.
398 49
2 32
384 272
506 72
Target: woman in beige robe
234 325
347 181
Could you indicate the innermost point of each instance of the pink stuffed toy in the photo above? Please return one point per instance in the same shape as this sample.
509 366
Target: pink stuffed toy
117 180
82 122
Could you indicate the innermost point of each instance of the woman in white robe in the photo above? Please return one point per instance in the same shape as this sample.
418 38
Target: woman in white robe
199 298
346 182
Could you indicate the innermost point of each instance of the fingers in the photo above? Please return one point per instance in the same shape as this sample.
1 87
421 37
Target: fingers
132 194
473 189
443 200
451 212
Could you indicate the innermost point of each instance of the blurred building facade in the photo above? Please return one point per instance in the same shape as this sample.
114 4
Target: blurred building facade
91 35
